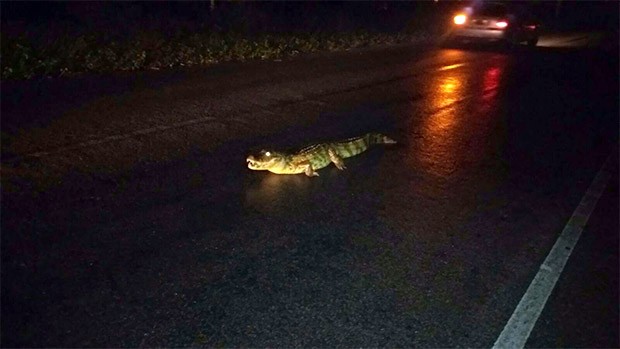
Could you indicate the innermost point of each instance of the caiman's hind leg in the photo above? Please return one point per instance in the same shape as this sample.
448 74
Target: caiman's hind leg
308 170
336 159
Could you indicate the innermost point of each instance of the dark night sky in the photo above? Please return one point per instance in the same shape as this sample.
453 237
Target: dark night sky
250 16
278 16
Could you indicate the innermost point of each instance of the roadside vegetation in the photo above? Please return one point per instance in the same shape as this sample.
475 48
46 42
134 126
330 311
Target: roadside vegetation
106 37
153 51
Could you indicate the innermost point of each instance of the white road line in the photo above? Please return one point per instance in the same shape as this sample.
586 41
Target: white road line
518 329
140 132
449 67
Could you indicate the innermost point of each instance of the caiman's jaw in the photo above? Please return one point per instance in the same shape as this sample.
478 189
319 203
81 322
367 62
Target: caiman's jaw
264 161
254 164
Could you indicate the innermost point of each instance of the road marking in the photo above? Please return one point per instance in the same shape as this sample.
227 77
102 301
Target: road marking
453 66
140 132
518 329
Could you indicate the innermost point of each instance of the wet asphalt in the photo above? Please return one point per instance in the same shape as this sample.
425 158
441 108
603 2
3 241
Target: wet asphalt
428 243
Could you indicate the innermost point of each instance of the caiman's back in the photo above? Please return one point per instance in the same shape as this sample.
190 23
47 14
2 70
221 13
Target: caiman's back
353 146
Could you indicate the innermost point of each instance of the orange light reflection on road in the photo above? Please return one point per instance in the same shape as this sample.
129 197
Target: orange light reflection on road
455 116
440 124
437 150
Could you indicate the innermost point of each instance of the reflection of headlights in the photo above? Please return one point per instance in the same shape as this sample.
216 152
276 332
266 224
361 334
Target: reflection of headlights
460 19
501 24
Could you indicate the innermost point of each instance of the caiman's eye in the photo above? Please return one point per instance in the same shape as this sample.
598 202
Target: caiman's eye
266 153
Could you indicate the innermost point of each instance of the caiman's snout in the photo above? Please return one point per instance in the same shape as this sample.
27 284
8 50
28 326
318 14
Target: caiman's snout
251 161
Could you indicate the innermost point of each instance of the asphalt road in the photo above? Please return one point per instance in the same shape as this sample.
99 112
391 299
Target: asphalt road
428 243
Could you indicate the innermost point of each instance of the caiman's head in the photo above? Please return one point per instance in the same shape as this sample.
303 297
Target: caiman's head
266 160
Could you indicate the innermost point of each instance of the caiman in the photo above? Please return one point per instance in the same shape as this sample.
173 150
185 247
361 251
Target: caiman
309 159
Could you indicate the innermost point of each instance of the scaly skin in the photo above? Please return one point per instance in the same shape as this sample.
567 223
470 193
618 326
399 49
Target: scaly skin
315 157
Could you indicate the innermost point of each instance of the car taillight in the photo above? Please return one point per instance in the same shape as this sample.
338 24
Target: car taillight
501 24
531 26
460 19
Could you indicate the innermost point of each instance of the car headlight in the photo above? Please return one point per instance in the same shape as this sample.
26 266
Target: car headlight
460 19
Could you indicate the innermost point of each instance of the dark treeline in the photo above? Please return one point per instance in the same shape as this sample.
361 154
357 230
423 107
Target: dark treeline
122 19
247 17
58 38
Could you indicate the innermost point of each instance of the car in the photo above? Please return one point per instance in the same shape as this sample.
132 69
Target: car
507 23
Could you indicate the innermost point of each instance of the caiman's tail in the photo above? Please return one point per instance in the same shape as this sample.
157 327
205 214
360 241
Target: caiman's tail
379 138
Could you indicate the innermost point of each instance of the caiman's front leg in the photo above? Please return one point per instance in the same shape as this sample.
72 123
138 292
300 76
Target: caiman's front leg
308 170
336 159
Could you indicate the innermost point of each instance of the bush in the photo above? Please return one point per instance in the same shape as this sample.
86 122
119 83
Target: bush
22 59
